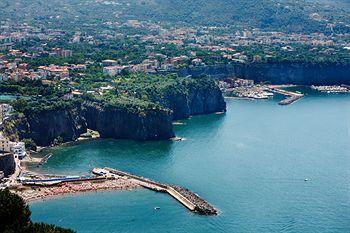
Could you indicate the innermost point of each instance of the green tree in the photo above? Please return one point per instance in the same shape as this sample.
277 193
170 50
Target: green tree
14 213
15 217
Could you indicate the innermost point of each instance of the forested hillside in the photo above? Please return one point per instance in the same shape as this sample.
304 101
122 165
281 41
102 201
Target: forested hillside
280 15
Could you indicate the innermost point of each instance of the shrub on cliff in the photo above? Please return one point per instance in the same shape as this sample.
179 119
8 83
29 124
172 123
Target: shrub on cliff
30 144
15 217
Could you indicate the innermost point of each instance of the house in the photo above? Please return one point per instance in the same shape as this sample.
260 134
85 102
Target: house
113 70
5 111
53 71
19 149
5 144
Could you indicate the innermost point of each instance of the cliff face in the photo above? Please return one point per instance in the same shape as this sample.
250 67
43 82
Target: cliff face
112 122
46 126
133 119
204 101
7 164
200 97
15 127
278 73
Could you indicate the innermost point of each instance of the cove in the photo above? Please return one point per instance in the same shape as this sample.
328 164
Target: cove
250 163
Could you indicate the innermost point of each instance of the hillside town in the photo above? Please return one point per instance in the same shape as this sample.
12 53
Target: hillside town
75 59
159 48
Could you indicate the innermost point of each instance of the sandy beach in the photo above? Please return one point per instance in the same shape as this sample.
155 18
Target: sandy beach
32 193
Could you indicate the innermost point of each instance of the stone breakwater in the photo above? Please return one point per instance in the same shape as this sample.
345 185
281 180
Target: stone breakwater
201 206
187 198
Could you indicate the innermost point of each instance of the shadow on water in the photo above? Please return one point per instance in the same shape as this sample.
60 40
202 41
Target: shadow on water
126 155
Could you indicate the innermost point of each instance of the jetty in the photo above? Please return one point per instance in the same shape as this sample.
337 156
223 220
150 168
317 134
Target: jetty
291 97
187 198
44 159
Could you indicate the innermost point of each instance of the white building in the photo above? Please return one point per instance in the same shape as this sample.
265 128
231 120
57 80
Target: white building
112 70
5 144
5 110
19 149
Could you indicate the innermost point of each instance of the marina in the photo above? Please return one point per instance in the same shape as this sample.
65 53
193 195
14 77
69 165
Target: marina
332 89
291 97
242 88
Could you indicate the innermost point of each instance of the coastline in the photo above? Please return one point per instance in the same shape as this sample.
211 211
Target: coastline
64 144
30 194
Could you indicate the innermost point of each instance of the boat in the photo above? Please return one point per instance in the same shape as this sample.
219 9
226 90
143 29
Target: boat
157 208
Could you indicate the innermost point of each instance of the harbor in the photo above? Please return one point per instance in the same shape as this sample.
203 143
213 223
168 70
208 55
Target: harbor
291 96
332 89
32 186
243 88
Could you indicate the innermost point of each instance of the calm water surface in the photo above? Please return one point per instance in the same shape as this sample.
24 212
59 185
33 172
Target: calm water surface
250 163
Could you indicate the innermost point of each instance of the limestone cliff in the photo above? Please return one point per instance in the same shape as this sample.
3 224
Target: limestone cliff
278 72
113 122
65 124
193 97
46 121
7 164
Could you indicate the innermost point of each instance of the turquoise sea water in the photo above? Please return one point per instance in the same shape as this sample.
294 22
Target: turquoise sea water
250 163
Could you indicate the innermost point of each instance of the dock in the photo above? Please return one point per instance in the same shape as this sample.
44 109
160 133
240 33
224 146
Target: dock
291 97
187 198
44 159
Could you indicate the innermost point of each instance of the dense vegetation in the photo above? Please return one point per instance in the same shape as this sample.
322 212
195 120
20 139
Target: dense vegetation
288 16
15 217
136 93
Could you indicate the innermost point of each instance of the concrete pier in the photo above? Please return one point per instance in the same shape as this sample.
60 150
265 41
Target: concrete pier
187 198
291 97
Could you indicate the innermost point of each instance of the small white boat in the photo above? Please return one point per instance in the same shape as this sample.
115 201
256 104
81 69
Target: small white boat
306 179
157 208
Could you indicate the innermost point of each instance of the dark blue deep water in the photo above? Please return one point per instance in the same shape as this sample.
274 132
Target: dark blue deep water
250 163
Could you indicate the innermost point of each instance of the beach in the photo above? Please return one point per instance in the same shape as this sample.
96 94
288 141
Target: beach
32 193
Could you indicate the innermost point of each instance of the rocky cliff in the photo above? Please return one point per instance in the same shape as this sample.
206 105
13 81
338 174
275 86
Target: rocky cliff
128 117
7 163
113 122
278 73
193 97
64 124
